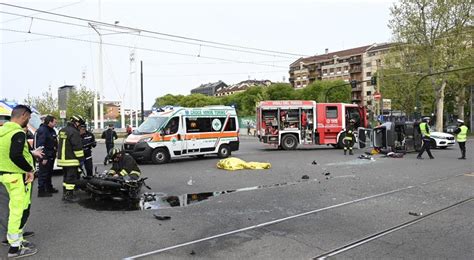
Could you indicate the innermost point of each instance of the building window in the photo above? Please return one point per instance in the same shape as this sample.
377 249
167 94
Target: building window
339 69
325 71
369 93
368 64
368 74
331 70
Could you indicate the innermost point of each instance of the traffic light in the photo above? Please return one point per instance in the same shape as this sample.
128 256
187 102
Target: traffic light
353 83
373 80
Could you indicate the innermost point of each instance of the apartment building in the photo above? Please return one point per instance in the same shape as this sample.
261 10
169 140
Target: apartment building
209 89
241 87
347 65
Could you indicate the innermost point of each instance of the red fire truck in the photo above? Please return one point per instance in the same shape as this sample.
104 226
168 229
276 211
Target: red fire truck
287 123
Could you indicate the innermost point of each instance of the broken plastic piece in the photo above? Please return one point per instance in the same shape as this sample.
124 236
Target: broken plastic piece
305 177
314 162
415 213
162 217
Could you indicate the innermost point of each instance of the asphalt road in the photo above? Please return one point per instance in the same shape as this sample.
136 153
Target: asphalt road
358 198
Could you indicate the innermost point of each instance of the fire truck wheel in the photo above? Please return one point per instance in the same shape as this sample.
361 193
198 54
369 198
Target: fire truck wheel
289 142
160 156
224 151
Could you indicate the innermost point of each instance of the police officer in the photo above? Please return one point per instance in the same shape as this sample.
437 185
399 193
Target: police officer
17 175
461 137
70 156
123 164
88 142
46 137
425 133
349 138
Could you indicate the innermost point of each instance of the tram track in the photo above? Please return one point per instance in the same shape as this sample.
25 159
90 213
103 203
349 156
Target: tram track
347 203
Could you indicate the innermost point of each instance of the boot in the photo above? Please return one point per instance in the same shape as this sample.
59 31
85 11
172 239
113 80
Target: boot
43 193
69 196
52 190
350 152
345 152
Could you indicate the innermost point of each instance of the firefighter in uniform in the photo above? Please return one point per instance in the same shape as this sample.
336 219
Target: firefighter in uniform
349 138
461 137
88 142
123 165
70 156
17 174
425 133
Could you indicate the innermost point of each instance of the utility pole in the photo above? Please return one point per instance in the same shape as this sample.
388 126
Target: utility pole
141 82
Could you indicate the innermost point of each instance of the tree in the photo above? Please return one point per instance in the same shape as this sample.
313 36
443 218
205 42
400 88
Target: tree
438 34
46 104
280 91
79 103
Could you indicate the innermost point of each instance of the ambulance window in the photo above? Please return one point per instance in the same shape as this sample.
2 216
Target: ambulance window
230 125
331 112
172 126
198 125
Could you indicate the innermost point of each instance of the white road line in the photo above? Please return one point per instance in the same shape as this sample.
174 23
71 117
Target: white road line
284 219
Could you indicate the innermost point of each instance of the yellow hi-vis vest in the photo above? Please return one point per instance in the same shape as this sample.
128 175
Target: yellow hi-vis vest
462 136
423 130
7 131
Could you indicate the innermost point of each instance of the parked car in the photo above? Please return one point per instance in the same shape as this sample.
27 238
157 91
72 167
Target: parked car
441 140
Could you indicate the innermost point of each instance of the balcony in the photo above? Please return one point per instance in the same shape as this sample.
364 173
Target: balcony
354 60
355 69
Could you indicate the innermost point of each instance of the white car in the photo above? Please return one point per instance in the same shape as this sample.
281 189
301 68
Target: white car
441 140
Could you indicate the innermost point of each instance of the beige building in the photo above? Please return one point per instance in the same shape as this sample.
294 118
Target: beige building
241 87
352 64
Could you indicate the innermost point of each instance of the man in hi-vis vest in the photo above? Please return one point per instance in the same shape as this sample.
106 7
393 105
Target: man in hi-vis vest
425 132
461 138
17 168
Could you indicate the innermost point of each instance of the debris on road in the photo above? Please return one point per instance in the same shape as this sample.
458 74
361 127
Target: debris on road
162 217
395 155
192 252
190 182
232 164
365 157
314 162
415 213
305 177
326 173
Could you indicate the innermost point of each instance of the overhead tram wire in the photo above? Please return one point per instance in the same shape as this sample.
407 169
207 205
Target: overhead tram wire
56 8
146 36
154 32
142 48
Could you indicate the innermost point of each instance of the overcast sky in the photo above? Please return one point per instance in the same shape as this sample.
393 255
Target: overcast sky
33 62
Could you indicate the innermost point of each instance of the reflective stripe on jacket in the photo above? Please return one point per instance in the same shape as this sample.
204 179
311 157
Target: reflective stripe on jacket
70 151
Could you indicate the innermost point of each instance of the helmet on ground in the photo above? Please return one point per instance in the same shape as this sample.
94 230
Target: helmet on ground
79 119
113 153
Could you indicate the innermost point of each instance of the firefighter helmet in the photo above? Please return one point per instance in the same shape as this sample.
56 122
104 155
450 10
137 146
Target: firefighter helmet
79 119
113 153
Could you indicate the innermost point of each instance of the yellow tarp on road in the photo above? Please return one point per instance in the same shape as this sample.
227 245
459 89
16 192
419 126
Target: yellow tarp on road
232 164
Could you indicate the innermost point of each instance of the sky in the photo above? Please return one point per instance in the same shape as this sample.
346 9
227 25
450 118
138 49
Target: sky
64 51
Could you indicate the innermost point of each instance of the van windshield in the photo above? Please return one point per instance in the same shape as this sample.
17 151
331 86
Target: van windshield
151 124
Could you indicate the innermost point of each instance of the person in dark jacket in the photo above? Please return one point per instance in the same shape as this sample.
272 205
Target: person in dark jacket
46 137
88 142
123 164
70 156
110 136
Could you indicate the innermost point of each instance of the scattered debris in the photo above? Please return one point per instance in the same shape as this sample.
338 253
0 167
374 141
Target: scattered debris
415 213
192 252
326 173
365 157
190 182
395 155
305 177
368 153
162 217
314 162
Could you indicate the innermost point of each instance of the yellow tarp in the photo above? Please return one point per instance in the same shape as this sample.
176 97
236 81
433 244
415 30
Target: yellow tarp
232 164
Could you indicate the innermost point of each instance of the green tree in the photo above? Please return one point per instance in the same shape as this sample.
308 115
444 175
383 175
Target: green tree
167 100
280 91
438 34
46 104
79 103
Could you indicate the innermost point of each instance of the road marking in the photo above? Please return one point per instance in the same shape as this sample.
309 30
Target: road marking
286 218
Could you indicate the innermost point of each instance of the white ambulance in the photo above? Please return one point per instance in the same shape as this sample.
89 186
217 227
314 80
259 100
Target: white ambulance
177 132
